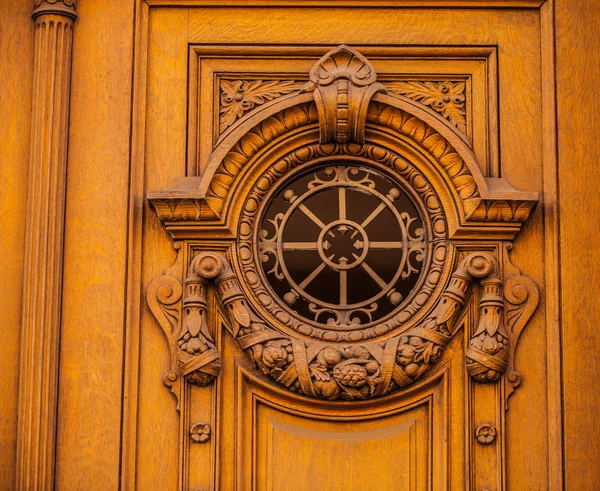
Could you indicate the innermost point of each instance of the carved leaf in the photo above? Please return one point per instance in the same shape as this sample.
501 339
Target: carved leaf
447 98
241 96
319 372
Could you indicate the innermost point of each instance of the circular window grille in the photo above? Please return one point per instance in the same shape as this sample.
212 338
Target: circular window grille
342 245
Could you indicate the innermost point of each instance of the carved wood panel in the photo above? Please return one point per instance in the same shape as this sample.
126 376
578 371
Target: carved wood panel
303 170
150 103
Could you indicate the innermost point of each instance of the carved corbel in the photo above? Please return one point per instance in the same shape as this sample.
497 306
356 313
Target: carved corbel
344 82
504 310
521 298
181 311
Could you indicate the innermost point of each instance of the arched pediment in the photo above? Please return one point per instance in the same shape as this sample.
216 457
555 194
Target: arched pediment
344 105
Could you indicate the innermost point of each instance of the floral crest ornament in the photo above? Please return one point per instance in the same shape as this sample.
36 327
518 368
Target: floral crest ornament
447 98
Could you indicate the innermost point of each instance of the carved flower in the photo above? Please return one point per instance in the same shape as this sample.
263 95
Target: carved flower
485 433
200 433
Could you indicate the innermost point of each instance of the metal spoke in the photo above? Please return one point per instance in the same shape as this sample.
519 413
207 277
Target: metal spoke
371 217
311 215
312 276
343 287
374 275
385 245
302 246
342 202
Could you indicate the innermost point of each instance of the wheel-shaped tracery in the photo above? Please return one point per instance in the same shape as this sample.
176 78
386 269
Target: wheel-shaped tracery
346 243
342 243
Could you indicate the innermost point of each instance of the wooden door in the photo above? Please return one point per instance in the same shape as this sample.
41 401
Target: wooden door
344 304
301 245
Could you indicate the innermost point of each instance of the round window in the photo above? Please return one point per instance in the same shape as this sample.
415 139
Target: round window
342 245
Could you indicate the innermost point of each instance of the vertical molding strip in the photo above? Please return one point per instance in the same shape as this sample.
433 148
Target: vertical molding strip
552 251
42 278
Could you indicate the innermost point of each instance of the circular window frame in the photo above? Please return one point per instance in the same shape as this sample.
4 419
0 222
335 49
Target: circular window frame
382 160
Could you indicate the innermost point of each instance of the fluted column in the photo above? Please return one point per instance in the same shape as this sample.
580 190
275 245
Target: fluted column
42 280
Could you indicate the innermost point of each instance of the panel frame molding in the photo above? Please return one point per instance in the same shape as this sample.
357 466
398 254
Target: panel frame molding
549 194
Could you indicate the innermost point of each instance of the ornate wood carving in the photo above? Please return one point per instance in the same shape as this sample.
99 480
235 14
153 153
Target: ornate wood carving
66 8
38 385
329 370
342 135
240 96
181 312
432 256
447 98
488 200
521 298
344 82
485 433
200 433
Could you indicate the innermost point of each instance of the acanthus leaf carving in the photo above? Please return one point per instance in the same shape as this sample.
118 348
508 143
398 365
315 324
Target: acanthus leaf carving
240 96
446 98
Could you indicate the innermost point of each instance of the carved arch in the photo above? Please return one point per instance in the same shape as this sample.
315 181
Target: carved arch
476 200
343 111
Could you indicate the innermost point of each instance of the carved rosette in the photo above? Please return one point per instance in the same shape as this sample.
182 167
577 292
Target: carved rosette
374 147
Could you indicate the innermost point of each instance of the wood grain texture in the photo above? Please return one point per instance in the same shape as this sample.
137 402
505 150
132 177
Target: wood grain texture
89 414
578 58
16 39
145 104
